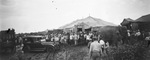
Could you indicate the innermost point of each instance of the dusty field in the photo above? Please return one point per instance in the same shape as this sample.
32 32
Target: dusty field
65 53
134 51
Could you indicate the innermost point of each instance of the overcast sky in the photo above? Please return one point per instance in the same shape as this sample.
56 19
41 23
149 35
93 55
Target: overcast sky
39 15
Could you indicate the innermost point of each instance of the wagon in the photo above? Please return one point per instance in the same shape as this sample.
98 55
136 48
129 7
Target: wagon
7 41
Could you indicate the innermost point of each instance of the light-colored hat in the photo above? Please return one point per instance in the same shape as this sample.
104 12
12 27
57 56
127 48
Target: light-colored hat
102 42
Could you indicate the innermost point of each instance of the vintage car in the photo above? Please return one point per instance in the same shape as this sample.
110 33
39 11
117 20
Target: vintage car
37 43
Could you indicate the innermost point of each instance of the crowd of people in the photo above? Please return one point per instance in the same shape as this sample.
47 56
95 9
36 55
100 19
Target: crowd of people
93 40
71 38
97 47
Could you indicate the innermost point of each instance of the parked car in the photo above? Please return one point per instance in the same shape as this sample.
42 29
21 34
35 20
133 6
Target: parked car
37 43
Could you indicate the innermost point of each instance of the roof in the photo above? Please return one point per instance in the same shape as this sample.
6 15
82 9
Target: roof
145 18
126 21
90 21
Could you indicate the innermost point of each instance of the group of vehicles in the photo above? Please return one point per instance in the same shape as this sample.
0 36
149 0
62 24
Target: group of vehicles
9 42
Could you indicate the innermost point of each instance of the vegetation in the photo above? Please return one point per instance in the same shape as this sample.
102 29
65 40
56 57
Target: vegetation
129 52
136 50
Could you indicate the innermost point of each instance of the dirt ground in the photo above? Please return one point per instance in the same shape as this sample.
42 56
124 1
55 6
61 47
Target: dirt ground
66 53
136 51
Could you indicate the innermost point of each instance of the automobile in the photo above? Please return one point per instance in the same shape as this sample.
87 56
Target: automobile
37 43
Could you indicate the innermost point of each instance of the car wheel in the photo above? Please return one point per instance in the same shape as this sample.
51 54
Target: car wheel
26 49
50 49
57 47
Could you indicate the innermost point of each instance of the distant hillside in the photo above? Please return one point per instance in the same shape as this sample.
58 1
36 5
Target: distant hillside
93 22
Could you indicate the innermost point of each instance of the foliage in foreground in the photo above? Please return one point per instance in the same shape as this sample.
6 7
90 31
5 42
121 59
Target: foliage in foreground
133 51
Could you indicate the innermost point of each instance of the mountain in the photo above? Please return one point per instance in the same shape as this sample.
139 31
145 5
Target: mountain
91 21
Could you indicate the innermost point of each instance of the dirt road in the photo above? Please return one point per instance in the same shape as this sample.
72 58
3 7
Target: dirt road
123 52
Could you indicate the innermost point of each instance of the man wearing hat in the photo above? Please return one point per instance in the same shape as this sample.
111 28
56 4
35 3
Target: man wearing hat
95 49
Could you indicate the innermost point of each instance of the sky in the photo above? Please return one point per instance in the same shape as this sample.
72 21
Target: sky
39 15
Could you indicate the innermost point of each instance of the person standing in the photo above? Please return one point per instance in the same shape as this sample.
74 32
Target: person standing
65 38
89 43
19 54
52 38
129 37
71 39
106 47
95 49
102 43
81 39
148 39
62 39
68 38
20 45
76 37
56 39
88 38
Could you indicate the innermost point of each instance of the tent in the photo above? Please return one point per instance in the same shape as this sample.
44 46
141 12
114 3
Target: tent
143 22
82 26
127 22
144 19
88 21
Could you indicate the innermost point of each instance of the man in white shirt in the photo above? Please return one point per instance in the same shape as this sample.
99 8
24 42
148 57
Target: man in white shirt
95 49
62 39
76 37
88 38
56 38
138 33
128 31
71 39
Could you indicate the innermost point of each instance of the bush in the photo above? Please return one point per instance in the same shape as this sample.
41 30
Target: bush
129 52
